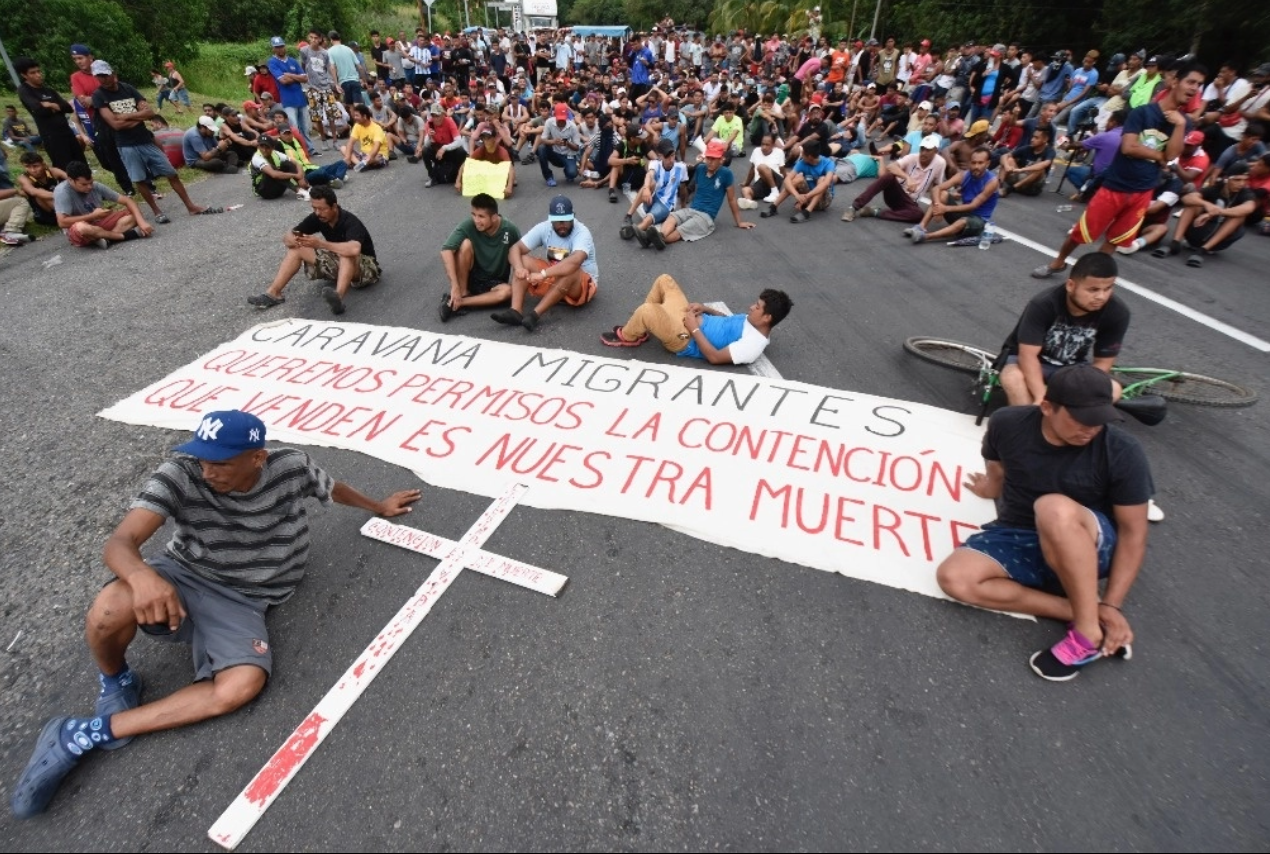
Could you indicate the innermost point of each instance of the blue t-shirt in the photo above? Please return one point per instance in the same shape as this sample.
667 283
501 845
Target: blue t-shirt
824 166
1083 83
711 190
640 63
719 331
194 143
558 248
1133 174
971 187
1052 88
291 94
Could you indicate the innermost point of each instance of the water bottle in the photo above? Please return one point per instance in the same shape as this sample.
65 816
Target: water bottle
985 236
1064 208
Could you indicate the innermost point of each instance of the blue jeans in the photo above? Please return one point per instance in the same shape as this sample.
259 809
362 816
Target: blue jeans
548 157
326 174
1084 113
298 117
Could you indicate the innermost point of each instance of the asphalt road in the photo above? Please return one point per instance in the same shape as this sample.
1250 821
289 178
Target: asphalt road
678 695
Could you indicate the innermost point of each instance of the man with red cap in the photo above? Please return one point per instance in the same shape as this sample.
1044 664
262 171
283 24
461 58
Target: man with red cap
712 184
239 546
559 145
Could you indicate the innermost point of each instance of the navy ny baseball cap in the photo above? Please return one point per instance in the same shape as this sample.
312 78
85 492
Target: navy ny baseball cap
222 435
560 210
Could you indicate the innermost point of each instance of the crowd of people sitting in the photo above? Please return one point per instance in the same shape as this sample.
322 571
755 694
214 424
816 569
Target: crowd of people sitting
629 116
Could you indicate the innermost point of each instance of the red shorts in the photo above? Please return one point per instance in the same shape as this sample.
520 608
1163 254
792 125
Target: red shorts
540 289
76 236
1116 215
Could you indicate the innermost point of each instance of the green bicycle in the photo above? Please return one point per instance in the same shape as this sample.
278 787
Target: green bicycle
1143 390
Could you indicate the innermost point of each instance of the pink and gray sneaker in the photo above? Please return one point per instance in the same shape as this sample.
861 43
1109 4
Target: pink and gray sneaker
1063 661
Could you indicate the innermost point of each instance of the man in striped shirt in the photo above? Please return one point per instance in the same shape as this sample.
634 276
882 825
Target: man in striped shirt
240 545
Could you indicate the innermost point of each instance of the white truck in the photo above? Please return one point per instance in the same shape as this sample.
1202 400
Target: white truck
530 15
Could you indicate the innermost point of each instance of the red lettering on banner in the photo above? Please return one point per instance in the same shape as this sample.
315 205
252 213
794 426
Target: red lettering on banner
926 519
810 512
587 464
446 439
892 528
954 529
612 428
186 394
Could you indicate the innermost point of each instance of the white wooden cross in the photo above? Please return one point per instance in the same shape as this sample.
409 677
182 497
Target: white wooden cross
251 803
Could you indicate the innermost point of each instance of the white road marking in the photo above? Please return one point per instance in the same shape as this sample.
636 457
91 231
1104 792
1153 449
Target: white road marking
1159 299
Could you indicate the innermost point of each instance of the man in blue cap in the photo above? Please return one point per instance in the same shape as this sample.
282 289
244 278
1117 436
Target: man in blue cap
291 79
239 545
569 272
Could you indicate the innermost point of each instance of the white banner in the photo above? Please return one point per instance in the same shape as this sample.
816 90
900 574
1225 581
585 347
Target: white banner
867 486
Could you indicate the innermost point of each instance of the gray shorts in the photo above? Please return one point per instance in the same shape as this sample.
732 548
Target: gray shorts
693 224
144 162
223 627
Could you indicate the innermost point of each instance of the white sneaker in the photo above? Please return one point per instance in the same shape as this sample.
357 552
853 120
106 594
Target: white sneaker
1154 513
772 197
302 195
746 204
1130 248
15 238
591 175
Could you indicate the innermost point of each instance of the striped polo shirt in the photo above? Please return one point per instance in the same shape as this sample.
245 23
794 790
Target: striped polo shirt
254 542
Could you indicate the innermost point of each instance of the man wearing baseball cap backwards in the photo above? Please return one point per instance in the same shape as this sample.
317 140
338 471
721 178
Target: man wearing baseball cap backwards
569 273
1071 493
239 546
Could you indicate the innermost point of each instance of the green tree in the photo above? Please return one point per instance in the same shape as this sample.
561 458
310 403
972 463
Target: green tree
173 30
45 29
596 12
243 20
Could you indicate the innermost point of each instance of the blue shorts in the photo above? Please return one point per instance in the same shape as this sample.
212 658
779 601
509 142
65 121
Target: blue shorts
1018 551
658 212
144 162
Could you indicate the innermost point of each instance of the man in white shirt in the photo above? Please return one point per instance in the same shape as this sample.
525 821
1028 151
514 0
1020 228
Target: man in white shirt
906 180
763 180
695 331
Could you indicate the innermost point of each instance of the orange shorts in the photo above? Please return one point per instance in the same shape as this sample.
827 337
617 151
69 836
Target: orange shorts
540 289
1116 215
75 233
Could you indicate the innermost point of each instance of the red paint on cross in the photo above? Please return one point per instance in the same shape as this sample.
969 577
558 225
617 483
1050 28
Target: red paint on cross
285 762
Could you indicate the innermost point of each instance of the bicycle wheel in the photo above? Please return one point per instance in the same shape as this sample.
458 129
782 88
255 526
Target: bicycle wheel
1183 387
950 354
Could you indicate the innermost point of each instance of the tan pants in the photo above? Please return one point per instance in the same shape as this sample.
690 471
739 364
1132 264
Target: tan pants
14 212
661 315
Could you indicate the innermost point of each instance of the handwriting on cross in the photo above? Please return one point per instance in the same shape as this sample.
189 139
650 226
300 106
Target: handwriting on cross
250 805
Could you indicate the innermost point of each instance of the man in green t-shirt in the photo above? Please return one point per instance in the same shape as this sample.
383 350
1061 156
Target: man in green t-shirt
476 260
729 128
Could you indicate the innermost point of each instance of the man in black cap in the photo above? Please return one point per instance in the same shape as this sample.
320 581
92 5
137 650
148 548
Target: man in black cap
239 546
1072 494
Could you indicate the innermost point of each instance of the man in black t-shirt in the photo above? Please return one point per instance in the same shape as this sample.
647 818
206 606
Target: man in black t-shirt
125 109
1062 326
1213 218
1071 494
330 244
